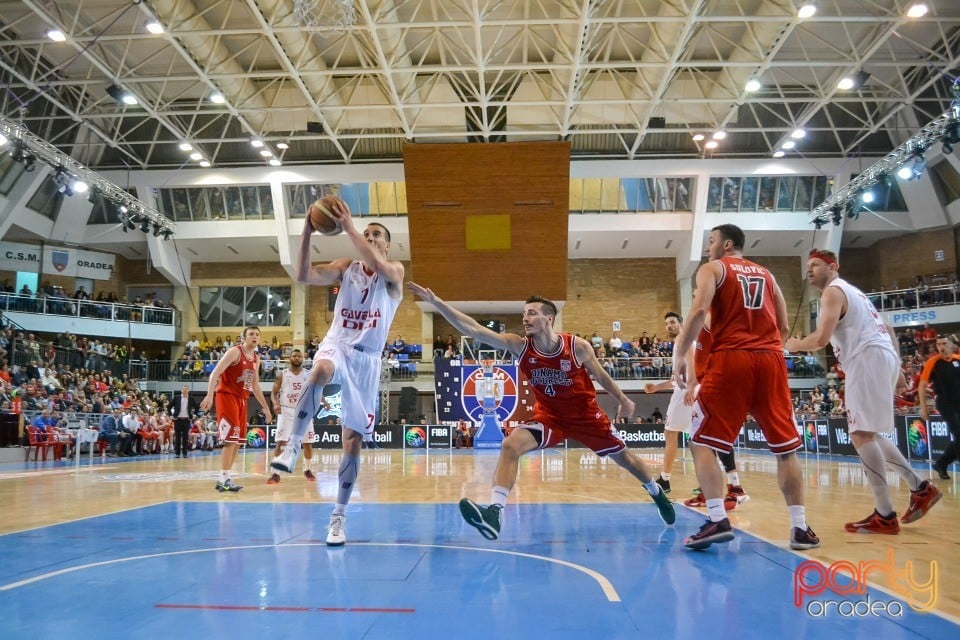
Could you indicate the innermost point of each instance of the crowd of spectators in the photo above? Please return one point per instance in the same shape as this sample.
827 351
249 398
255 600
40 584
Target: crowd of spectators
104 305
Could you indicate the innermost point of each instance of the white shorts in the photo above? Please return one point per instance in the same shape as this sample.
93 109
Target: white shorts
870 384
358 374
679 415
285 426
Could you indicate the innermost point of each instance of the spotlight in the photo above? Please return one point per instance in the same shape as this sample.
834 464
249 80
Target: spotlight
167 233
867 197
853 211
145 226
807 9
905 172
752 85
951 136
837 215
121 95
154 27
79 186
62 179
156 229
919 163
818 222
3 140
217 98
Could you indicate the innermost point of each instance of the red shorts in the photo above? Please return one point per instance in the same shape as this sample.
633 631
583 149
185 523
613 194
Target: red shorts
597 435
738 382
231 417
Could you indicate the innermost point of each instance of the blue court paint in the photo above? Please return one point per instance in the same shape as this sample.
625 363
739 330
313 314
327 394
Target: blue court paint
237 570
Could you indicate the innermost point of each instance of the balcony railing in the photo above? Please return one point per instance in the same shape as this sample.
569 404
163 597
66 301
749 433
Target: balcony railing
905 299
92 309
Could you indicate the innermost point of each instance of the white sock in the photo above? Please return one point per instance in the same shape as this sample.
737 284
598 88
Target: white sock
875 467
224 476
499 496
895 459
733 478
798 517
665 476
715 510
307 463
339 509
652 487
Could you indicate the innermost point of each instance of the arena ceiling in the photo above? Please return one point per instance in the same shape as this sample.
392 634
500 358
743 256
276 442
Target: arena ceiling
619 79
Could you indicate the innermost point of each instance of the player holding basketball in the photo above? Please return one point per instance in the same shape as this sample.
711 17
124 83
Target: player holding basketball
746 372
233 379
864 346
678 418
558 366
370 292
285 394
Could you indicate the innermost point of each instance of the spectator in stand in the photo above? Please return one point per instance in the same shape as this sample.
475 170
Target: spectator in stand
397 347
615 342
43 421
110 433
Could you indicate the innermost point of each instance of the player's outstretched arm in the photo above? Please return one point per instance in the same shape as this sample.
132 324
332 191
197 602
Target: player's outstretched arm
466 325
321 275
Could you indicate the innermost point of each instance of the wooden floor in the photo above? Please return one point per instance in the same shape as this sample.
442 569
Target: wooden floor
37 495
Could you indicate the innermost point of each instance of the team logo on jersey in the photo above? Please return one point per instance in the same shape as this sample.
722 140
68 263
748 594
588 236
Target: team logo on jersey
565 365
504 391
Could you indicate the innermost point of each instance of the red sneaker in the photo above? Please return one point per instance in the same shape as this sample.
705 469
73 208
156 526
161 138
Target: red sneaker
737 492
729 502
921 501
874 523
274 479
309 475
696 501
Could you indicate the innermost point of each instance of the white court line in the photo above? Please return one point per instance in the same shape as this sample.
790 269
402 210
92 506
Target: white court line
608 590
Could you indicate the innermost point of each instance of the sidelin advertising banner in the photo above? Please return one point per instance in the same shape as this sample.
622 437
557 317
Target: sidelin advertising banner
643 436
926 440
424 436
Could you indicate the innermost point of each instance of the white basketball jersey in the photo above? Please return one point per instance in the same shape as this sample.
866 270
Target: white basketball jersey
364 310
291 385
860 327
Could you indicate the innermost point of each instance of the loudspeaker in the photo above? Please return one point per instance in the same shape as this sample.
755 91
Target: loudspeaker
657 123
314 127
407 408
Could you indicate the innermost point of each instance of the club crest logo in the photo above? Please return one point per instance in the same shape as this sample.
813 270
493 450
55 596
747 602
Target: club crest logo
565 365
504 391
60 259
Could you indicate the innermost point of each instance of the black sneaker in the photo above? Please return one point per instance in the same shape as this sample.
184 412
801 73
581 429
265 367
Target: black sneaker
665 507
486 519
941 471
710 533
800 539
664 484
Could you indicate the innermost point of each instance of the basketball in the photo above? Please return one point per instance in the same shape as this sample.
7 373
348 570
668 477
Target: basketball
321 216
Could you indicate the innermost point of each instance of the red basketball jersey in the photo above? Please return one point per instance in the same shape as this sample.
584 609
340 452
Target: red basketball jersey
237 379
743 314
702 353
562 387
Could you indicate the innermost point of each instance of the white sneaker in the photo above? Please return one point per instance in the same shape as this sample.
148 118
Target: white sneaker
336 536
286 460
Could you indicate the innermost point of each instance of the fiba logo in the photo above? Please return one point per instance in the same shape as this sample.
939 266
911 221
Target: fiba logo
917 438
810 436
415 437
256 437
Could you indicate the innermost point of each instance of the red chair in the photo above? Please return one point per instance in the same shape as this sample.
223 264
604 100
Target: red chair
59 446
37 440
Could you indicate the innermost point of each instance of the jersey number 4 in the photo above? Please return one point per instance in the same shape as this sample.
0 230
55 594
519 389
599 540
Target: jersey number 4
752 287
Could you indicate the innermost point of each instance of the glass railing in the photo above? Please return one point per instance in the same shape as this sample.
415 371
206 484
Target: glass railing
798 366
92 309
913 298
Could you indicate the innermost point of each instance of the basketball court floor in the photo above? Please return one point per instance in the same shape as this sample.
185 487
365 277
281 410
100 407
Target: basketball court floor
145 548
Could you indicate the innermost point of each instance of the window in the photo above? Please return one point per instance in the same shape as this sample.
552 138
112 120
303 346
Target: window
10 172
629 195
46 200
265 306
946 182
185 204
364 198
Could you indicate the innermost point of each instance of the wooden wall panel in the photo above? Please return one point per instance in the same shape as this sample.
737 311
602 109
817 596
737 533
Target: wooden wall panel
529 181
